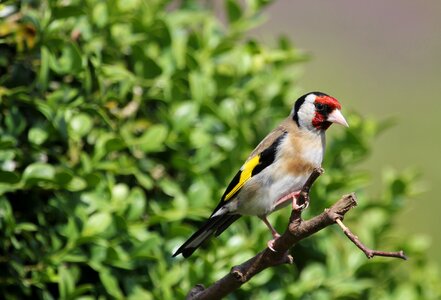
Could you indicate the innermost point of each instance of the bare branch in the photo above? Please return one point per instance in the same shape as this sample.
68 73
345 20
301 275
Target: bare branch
369 252
296 231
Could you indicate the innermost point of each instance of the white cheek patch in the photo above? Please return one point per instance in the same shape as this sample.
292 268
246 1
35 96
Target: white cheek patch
310 98
306 114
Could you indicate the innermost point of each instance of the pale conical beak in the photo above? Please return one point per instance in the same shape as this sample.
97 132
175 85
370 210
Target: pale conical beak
337 117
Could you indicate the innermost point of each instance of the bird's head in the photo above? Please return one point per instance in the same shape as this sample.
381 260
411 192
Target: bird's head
317 111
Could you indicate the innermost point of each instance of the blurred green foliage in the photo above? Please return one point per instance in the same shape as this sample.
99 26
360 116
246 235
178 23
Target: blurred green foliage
121 124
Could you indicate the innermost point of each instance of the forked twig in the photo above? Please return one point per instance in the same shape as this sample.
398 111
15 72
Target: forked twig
369 252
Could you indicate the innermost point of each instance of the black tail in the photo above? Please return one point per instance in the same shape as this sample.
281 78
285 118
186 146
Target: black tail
215 225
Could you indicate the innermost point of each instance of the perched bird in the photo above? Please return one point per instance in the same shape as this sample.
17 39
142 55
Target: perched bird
276 170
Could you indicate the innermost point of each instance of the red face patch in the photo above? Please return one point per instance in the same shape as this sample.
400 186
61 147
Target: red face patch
319 122
329 101
324 106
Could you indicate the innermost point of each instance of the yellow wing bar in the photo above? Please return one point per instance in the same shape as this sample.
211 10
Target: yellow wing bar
246 172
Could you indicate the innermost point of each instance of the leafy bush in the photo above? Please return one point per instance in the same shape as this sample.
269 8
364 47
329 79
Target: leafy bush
121 124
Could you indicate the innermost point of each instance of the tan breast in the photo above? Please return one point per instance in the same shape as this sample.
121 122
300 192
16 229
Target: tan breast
302 150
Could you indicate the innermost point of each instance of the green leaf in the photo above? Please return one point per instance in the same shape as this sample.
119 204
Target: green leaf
137 203
234 10
144 180
81 124
68 11
116 73
38 171
107 143
63 176
43 74
114 144
6 142
120 192
153 139
66 283
70 60
9 177
140 293
201 86
96 224
81 290
37 135
20 227
179 46
184 115
110 284
150 68
100 14
76 184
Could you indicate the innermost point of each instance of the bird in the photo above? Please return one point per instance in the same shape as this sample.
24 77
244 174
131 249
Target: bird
276 170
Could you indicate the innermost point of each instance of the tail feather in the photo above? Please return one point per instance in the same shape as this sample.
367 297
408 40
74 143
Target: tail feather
215 224
228 221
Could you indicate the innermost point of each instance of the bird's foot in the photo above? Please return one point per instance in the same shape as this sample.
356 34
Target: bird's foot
300 207
270 243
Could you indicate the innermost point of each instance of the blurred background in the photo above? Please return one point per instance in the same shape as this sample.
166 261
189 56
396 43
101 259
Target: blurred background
381 59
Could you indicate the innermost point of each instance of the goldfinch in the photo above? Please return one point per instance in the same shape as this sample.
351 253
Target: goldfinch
276 170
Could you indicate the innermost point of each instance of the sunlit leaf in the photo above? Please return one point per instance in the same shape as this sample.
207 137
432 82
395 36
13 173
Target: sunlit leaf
96 224
81 124
37 135
38 171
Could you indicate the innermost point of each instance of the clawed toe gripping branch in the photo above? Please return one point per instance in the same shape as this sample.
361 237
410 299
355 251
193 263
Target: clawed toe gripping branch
296 231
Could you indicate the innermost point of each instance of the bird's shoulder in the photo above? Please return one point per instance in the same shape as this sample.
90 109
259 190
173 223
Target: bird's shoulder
274 136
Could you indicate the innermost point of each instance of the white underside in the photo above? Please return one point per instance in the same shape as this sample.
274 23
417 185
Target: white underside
264 200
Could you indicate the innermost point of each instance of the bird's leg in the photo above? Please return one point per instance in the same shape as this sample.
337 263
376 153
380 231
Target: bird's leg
268 224
275 234
294 196
286 198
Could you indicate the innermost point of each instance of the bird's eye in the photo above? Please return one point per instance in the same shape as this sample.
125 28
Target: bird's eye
319 106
